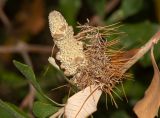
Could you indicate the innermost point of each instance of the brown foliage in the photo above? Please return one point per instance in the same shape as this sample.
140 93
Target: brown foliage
31 17
149 105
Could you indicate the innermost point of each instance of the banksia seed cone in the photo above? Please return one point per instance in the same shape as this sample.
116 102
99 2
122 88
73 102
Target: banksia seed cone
88 56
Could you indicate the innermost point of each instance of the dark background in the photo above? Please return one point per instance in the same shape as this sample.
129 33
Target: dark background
26 22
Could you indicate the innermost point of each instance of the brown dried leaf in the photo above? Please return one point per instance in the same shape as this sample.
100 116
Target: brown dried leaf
83 103
149 105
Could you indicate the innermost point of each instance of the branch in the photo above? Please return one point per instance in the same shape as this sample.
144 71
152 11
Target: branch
111 5
143 50
5 20
20 46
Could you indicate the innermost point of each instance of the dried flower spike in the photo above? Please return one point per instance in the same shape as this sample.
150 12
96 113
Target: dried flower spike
70 52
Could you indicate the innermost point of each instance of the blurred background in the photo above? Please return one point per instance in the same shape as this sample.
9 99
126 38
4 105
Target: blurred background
25 36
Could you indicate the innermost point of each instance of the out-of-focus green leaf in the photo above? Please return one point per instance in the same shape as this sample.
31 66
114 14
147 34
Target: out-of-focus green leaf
119 114
29 74
13 110
11 78
135 93
70 8
98 6
128 86
130 7
137 35
4 113
127 8
43 110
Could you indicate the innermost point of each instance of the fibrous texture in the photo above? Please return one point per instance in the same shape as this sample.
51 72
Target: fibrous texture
70 52
104 63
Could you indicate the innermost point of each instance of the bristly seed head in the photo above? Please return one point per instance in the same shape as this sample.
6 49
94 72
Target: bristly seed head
104 64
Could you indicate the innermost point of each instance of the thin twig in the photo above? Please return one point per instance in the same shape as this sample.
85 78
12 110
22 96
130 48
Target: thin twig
143 50
29 99
29 48
3 17
26 58
111 5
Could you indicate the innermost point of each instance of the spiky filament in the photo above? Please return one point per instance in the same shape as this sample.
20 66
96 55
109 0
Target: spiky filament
104 63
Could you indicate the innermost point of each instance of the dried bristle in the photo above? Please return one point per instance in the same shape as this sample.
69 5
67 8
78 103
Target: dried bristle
104 64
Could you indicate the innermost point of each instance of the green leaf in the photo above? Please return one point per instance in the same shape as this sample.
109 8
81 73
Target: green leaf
13 110
4 113
10 78
70 8
129 85
127 8
119 114
137 33
43 110
130 7
29 74
98 6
